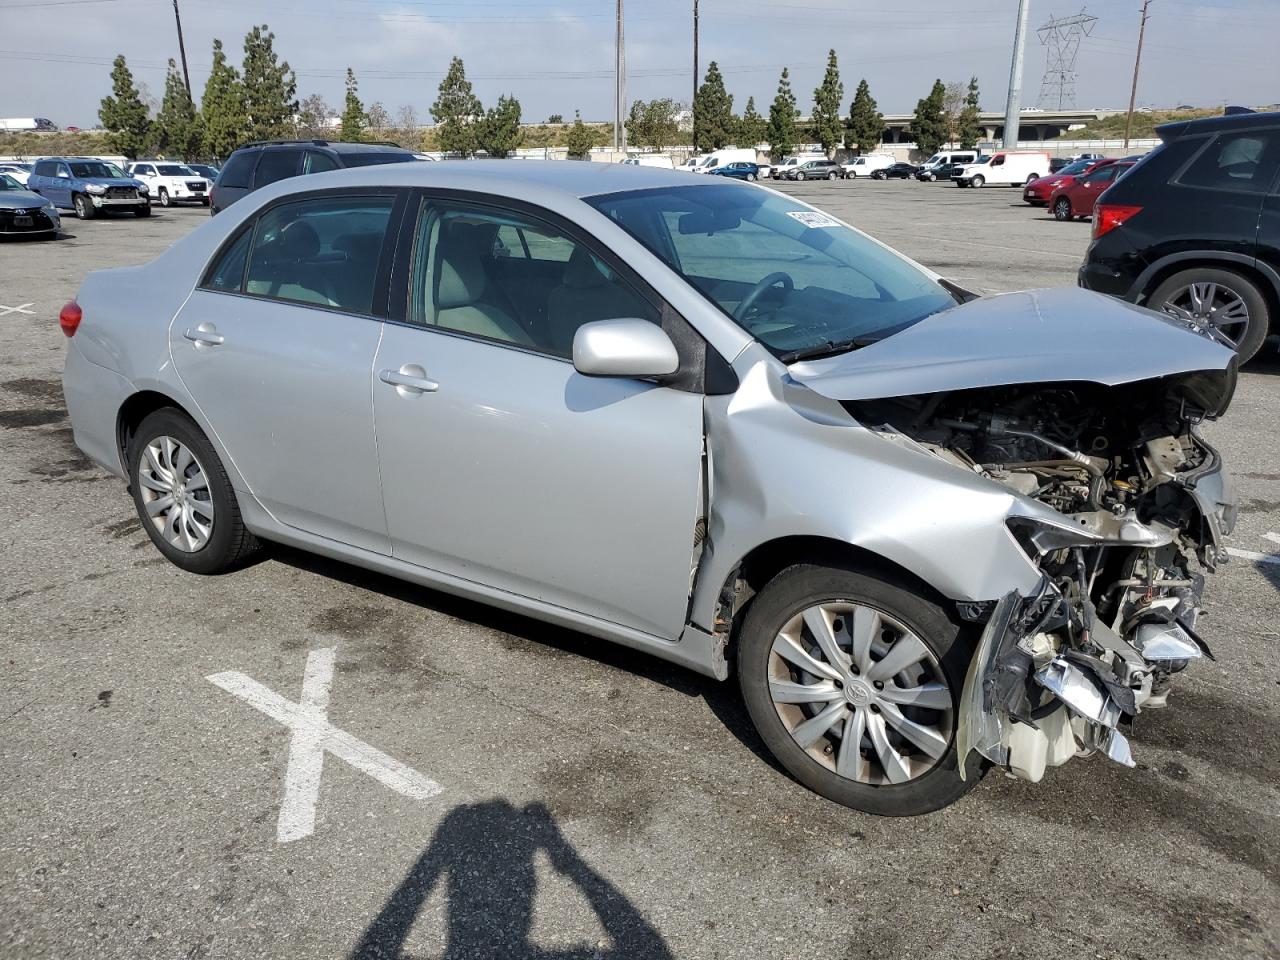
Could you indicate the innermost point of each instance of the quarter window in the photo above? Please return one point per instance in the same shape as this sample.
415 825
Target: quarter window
319 162
322 251
276 165
1244 161
227 274
513 279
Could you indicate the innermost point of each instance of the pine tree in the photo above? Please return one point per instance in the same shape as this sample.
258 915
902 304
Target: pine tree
177 128
827 100
456 111
354 119
970 127
929 125
866 122
713 125
270 87
752 128
222 112
580 139
499 132
782 118
123 114
653 123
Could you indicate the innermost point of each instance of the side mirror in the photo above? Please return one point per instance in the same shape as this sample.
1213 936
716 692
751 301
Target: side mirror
627 347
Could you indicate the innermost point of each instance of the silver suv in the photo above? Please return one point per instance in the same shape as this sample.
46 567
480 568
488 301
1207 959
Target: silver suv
930 532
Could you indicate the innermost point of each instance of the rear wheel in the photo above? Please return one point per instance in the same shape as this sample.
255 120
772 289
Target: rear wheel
183 497
84 207
1062 209
1228 305
853 682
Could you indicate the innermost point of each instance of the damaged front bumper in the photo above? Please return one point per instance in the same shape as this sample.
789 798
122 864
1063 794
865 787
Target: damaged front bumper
1033 700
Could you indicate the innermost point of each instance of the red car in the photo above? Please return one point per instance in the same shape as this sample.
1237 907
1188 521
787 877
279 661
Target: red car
1039 191
1076 199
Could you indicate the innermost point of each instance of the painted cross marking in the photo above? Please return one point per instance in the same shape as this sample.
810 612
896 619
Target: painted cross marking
313 737
20 308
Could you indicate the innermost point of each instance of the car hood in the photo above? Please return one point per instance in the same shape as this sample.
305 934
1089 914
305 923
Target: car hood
21 199
1035 336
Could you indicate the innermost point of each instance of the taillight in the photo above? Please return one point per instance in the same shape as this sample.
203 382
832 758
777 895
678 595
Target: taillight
69 318
1108 216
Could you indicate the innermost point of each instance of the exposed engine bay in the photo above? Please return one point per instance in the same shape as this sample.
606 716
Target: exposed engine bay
1138 506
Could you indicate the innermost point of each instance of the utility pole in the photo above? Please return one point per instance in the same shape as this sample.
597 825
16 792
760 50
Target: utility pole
693 104
182 50
1013 105
620 88
1137 60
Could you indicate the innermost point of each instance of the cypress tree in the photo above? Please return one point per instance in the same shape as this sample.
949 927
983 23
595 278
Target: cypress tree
929 125
222 111
270 87
123 114
752 128
970 125
866 122
782 118
177 126
713 125
456 111
354 118
827 100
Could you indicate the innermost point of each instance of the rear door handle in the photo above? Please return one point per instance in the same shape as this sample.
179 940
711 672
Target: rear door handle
410 378
206 334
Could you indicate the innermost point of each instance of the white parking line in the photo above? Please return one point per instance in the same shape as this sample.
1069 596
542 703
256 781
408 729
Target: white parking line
1254 555
313 736
21 308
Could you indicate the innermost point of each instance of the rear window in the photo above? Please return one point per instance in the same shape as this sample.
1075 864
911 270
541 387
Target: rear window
239 169
369 159
1244 162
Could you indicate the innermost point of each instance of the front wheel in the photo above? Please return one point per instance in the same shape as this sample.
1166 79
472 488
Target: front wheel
1222 301
163 197
978 181
84 207
183 496
853 683
799 176
1062 209
142 211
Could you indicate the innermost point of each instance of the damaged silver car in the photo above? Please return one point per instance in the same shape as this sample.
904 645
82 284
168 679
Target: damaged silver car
930 532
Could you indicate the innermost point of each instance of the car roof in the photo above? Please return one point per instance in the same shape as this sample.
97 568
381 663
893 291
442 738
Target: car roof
1231 121
337 146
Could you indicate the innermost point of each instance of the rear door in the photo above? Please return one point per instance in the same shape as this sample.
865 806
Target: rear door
277 163
1223 190
59 186
276 347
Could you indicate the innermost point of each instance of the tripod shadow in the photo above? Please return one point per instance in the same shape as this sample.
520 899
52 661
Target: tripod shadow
487 852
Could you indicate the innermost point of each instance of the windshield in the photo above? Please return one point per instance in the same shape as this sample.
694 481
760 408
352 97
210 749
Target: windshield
8 183
1071 169
173 170
791 276
370 159
92 169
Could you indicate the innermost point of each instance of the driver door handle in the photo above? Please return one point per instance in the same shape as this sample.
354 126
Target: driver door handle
205 334
411 378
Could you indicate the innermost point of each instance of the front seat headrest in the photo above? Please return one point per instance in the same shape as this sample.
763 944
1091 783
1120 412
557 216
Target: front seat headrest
299 241
582 270
461 280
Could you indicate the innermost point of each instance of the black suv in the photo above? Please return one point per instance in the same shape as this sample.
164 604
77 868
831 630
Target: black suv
1193 228
265 161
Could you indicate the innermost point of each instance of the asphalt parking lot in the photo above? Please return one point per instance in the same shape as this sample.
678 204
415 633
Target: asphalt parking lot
523 791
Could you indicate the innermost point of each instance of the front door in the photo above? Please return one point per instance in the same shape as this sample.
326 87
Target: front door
504 466
276 347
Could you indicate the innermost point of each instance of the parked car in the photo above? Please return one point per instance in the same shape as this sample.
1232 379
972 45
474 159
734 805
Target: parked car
23 213
255 165
1006 168
169 183
943 173
1038 191
1077 197
895 171
820 169
205 170
1088 156
721 158
1058 163
735 433
865 165
650 160
88 186
780 170
738 170
18 171
932 169
1193 229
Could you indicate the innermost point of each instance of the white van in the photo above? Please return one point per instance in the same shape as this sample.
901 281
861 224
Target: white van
866 165
1007 168
650 160
929 169
722 158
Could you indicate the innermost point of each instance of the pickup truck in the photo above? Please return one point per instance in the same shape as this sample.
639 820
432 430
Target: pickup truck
88 186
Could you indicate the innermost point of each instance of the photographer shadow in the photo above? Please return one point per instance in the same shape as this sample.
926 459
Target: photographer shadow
486 851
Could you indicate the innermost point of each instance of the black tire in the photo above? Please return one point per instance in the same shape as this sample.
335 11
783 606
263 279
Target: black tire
230 543
163 197
84 207
801 586
1255 334
831 176
142 211
1062 209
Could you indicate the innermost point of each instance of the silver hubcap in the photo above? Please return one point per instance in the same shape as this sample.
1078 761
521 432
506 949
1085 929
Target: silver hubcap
175 494
1216 310
861 693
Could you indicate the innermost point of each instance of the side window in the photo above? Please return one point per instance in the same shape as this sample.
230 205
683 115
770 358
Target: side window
319 162
64 170
42 169
460 282
322 251
238 171
276 165
998 161
227 273
1244 161
144 170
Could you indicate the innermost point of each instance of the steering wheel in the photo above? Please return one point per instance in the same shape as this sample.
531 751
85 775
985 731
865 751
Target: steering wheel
758 290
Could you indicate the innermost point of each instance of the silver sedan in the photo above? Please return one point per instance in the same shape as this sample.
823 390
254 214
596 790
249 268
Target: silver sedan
929 532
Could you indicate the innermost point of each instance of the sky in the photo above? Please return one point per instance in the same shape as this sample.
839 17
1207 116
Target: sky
557 56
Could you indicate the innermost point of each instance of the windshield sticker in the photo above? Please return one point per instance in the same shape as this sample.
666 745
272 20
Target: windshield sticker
812 218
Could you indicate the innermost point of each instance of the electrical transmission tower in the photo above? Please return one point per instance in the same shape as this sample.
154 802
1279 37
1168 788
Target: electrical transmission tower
1061 37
